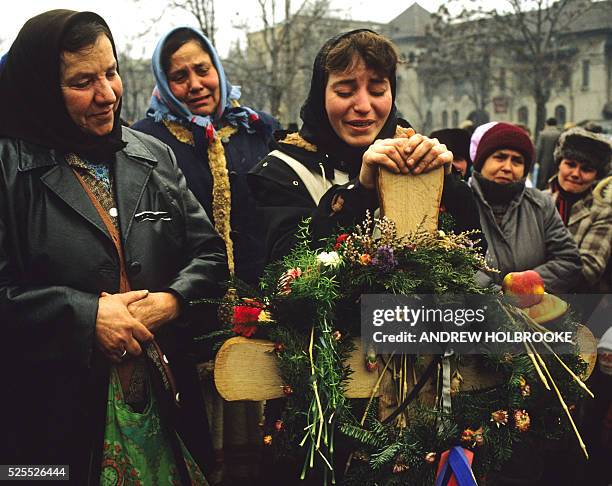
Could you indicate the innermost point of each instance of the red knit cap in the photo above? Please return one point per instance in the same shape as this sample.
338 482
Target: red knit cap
504 136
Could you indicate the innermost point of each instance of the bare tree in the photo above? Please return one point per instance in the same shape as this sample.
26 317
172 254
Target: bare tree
531 37
417 96
458 55
277 56
203 11
138 83
136 72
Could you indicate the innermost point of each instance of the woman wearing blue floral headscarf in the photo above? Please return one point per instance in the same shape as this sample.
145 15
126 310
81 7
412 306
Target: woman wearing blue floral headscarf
194 109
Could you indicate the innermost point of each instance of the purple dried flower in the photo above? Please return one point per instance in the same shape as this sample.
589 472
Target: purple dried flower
384 259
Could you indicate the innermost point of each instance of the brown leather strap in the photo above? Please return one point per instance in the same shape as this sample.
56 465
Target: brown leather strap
124 284
160 360
126 368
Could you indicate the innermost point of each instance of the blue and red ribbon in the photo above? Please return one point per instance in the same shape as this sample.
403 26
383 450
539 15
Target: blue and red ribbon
455 468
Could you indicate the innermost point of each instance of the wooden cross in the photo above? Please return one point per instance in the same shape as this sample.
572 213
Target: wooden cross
246 369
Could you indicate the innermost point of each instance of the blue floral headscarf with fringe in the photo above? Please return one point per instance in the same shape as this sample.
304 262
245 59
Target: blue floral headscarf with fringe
165 106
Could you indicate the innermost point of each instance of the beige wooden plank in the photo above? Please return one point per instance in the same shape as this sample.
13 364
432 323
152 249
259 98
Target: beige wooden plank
245 369
410 200
361 382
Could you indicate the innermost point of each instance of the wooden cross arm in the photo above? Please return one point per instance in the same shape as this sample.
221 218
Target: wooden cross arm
246 369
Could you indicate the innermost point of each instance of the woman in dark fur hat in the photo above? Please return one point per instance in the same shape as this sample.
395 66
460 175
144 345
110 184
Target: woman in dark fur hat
585 206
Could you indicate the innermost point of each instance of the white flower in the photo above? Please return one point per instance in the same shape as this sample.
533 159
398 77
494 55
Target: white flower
331 259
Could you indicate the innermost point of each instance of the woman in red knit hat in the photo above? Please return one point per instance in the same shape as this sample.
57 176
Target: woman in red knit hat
521 224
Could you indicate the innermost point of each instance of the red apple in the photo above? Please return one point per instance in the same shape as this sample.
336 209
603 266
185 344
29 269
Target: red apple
526 288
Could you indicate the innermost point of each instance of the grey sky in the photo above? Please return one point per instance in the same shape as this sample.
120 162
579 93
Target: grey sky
128 18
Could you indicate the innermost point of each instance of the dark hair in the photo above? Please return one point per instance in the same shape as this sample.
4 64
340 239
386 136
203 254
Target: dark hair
551 122
378 53
175 41
83 34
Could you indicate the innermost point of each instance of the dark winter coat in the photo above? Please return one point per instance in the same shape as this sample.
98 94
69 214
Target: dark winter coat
242 151
545 148
56 256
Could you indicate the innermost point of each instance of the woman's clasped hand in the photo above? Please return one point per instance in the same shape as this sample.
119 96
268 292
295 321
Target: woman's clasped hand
413 153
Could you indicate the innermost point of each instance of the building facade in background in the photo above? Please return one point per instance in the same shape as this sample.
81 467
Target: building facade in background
579 93
582 91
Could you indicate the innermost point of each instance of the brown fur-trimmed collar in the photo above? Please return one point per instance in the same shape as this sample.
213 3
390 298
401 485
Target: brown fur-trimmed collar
297 140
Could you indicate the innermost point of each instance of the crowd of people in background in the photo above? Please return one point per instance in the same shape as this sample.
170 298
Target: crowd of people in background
107 232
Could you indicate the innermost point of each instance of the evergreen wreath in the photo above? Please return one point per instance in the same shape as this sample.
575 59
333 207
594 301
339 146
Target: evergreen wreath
308 304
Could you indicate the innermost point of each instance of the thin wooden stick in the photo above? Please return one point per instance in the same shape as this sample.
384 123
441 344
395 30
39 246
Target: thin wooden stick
560 397
376 387
401 419
530 322
400 381
403 378
326 461
537 366
572 374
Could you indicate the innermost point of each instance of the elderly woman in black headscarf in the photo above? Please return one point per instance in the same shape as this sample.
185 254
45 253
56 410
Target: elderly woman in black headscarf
101 249
351 128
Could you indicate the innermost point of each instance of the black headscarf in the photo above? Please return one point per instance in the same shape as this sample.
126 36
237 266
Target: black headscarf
31 101
317 129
